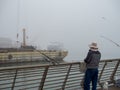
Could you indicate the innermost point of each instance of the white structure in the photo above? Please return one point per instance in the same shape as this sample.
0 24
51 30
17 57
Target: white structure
5 42
55 46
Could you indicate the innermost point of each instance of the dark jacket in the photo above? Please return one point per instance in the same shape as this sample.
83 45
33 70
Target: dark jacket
92 59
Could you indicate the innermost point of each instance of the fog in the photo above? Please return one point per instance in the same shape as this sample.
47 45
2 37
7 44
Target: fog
74 23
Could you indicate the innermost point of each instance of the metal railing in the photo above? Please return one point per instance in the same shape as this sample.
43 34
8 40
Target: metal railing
65 76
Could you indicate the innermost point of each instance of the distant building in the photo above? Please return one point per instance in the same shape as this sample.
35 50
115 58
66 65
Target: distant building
5 42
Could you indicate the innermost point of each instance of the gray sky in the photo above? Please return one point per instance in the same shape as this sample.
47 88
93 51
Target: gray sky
74 23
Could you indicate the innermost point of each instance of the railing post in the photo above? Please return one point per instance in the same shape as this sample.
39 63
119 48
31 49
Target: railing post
13 84
64 83
114 71
102 72
43 78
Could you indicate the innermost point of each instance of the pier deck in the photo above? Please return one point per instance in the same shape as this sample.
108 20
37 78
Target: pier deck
112 88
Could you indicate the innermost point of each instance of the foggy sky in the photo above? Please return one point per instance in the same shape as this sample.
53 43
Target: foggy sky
74 23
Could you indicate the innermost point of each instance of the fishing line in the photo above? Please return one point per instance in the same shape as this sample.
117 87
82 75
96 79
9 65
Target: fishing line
118 45
54 62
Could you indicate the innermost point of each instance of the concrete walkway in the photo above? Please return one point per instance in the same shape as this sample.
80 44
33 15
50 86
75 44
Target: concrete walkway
112 88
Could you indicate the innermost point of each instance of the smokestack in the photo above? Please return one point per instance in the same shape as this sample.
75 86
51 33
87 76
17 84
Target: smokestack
24 37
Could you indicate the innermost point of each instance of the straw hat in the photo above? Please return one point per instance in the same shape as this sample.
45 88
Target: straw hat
93 45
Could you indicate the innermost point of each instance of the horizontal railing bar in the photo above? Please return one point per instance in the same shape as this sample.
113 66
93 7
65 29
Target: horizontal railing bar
54 76
8 83
51 80
71 86
51 86
27 84
5 88
75 79
54 88
29 88
6 76
25 88
27 80
56 72
57 84
21 76
34 66
25 71
54 83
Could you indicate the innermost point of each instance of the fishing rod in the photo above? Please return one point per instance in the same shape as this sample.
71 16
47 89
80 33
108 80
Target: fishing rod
54 62
111 41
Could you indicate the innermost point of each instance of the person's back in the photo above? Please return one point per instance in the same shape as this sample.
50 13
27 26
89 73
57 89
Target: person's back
92 63
94 59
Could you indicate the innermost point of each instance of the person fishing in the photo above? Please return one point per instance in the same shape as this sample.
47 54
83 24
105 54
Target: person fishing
92 63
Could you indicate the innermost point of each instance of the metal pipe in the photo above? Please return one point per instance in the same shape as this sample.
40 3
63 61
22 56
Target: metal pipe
65 80
13 84
114 71
43 79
